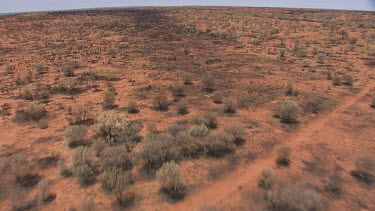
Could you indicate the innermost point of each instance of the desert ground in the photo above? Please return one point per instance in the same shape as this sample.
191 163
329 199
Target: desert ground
187 108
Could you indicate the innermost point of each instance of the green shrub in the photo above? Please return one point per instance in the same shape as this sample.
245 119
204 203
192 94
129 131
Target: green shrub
267 179
112 126
182 107
288 111
283 156
85 166
160 102
219 144
34 111
217 97
198 131
159 150
76 135
116 158
208 119
208 83
170 178
295 199
237 132
365 169
132 107
230 105
109 99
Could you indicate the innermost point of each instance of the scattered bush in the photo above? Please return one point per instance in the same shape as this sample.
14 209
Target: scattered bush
337 81
288 112
198 131
208 83
182 107
283 156
230 105
219 144
237 132
365 169
294 199
170 179
348 80
267 179
76 135
160 102
208 119
84 166
64 169
109 99
116 158
132 107
218 97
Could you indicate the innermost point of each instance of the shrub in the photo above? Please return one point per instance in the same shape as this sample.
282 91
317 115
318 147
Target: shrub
230 105
237 132
160 102
189 146
124 190
187 79
182 107
116 158
178 90
76 135
41 92
336 81
290 90
365 169
26 94
288 111
198 131
208 83
208 119
170 179
132 107
109 99
98 146
112 178
294 199
329 75
158 151
82 113
34 111
373 102
9 69
217 97
267 179
348 80
68 70
175 128
317 104
64 169
44 193
22 169
43 124
283 156
87 205
84 165
219 144
111 125
40 68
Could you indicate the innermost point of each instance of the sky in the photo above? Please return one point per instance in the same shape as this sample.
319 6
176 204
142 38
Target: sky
8 6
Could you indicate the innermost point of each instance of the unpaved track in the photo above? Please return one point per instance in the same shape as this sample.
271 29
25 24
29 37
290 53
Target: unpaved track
248 174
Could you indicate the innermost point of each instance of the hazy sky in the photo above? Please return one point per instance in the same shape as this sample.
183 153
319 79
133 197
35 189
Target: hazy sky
42 5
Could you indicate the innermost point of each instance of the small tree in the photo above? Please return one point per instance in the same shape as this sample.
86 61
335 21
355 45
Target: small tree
288 112
283 156
171 181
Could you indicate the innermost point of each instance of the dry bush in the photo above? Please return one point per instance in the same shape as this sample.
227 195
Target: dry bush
112 178
116 158
111 127
40 68
347 80
20 201
218 97
230 105
132 107
283 156
160 101
219 144
87 205
171 181
294 199
44 194
82 113
85 166
176 127
23 170
267 179
290 91
178 90
337 81
208 119
208 83
287 111
159 150
373 102
64 170
109 98
76 135
26 94
198 131
183 107
237 132
317 104
41 92
365 169
33 112
187 79
68 70
189 146
124 191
